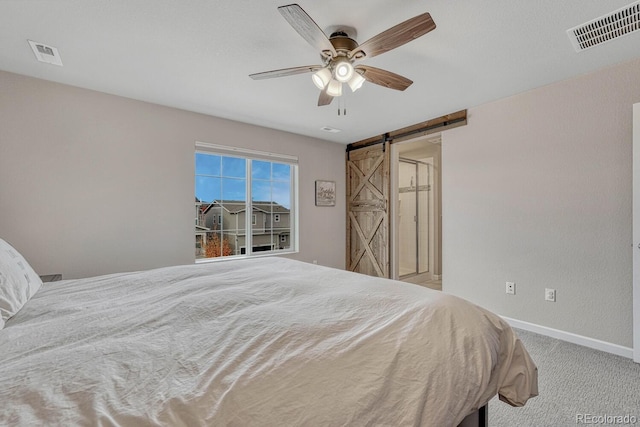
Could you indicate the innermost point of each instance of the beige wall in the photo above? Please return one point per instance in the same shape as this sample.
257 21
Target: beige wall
537 190
92 183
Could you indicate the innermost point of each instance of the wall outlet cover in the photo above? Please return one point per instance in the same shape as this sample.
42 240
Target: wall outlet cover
511 288
550 295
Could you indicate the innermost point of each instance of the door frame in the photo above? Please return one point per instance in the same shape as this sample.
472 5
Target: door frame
394 234
394 238
635 246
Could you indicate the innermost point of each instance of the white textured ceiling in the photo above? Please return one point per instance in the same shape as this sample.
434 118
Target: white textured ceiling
196 55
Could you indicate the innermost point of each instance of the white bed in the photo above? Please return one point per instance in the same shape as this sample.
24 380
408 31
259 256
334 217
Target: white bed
254 342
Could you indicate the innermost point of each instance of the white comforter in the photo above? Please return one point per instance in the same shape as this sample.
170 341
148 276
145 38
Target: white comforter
257 342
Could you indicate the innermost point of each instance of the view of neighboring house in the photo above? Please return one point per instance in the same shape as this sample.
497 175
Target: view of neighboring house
225 220
200 229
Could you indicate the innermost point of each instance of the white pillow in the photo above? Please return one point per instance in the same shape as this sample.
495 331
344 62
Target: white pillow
18 282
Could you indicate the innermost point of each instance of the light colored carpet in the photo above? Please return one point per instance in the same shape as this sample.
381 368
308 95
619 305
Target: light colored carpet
576 385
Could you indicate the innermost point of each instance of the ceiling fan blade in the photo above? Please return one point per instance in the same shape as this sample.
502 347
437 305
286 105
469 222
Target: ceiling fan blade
285 72
384 78
396 36
307 28
324 98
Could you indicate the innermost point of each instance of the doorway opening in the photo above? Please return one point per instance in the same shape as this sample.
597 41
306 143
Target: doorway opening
416 214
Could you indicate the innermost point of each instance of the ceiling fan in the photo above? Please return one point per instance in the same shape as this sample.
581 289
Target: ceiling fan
339 53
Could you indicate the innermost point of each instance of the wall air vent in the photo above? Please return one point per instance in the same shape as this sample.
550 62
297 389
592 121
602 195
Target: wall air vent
44 53
606 28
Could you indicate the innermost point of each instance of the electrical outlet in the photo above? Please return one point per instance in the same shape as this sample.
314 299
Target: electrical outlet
511 288
550 295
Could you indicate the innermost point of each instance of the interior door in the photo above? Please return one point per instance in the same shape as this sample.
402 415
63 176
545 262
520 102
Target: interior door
636 233
368 210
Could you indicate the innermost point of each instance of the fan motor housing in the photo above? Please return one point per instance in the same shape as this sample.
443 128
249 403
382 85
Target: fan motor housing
342 42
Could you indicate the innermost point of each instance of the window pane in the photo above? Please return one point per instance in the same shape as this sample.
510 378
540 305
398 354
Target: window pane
271 197
230 243
217 245
281 193
261 191
260 169
200 245
234 167
207 164
207 189
234 190
281 172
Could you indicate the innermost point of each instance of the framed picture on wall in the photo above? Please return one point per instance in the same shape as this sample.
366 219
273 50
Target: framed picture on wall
325 193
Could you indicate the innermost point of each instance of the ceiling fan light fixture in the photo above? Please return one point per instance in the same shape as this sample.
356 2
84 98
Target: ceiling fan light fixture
356 81
334 88
339 51
321 78
343 70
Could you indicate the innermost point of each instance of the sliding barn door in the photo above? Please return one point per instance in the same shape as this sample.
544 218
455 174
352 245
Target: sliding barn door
368 210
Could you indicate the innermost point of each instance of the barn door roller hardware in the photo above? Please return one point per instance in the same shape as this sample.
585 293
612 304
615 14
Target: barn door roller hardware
430 126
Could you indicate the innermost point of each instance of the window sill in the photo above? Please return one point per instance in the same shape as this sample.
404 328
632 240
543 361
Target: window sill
228 258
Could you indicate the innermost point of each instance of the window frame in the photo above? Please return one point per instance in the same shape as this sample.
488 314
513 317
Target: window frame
249 155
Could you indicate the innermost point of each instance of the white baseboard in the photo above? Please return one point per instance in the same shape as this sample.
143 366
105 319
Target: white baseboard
572 338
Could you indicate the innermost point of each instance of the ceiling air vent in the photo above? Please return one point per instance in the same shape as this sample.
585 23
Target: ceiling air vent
329 129
44 53
606 28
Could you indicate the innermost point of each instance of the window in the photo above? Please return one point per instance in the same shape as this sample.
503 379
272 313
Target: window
237 186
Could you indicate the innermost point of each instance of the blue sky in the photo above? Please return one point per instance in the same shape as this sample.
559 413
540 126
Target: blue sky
222 177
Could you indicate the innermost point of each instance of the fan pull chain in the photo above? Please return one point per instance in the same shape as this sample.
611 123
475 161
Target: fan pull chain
342 107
